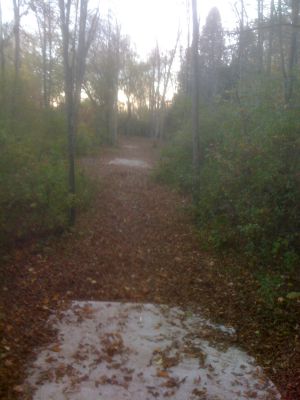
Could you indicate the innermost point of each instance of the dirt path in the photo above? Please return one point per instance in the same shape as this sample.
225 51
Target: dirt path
136 243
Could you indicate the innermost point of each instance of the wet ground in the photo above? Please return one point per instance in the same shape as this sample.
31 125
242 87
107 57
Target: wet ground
133 351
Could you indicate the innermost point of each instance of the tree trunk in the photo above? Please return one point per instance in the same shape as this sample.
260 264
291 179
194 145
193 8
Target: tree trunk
2 62
162 106
282 58
293 50
69 100
195 87
260 50
76 42
17 50
114 51
17 62
128 118
41 18
271 38
71 120
2 56
240 60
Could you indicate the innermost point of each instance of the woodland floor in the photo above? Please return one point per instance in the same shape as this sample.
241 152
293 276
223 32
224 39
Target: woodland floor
137 243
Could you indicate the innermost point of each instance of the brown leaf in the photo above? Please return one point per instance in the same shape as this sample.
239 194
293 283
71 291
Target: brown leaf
162 373
18 389
56 348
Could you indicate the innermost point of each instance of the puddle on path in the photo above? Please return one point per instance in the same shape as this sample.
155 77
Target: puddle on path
115 351
129 163
130 146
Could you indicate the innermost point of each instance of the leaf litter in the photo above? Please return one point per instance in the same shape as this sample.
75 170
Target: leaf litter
137 244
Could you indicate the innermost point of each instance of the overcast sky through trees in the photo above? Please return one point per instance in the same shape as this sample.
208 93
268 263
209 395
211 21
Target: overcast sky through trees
148 22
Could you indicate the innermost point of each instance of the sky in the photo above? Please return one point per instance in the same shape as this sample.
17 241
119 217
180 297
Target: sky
151 21
148 21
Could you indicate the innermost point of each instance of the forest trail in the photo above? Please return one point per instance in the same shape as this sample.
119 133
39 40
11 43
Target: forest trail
136 244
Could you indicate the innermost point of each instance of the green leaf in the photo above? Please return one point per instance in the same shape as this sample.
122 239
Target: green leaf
293 295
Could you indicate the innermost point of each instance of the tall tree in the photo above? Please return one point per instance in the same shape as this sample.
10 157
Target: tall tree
155 62
45 16
169 60
212 46
260 43
102 78
281 51
2 56
17 10
271 37
17 21
195 86
129 80
77 35
160 76
293 53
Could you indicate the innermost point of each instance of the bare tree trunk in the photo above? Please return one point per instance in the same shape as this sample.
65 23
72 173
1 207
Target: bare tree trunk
65 11
241 40
50 66
114 120
17 50
157 94
2 58
76 43
195 87
162 106
116 88
44 56
271 38
187 54
128 117
17 62
282 58
260 50
293 50
41 18
152 102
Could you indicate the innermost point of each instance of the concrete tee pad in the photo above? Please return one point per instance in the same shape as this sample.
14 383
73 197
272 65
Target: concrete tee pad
116 351
129 163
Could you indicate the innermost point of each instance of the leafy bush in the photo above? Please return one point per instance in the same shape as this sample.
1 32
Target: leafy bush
247 190
175 164
86 142
34 194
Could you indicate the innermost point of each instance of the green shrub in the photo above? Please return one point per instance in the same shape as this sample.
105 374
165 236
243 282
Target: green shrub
247 189
175 164
34 194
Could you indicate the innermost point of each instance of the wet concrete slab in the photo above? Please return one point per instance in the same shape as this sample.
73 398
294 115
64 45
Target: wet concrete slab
116 351
130 146
129 163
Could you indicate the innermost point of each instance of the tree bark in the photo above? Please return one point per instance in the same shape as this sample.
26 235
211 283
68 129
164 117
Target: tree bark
17 62
74 60
2 55
162 106
43 18
17 49
195 87
260 50
271 38
293 50
282 58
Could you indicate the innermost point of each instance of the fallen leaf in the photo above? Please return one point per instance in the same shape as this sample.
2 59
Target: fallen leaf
162 374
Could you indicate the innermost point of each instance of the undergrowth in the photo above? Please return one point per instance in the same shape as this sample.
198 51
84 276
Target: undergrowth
34 196
246 192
